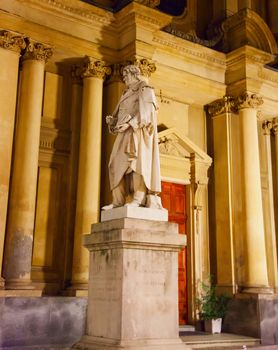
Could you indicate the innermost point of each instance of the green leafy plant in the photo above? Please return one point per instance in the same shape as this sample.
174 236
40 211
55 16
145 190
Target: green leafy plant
211 304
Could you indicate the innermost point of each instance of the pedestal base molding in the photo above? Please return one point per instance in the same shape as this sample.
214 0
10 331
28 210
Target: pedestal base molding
94 343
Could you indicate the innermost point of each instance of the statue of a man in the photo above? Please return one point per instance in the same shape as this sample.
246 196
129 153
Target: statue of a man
134 169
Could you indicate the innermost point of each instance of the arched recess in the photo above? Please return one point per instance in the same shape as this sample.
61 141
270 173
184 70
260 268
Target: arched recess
184 162
246 27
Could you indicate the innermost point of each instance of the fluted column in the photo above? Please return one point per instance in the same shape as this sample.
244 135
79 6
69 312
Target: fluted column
20 225
11 45
255 277
89 171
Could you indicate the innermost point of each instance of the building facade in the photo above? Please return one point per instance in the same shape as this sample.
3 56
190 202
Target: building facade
213 65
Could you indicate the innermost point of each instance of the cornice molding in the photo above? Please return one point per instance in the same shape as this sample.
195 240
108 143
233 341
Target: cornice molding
181 45
268 75
12 41
37 51
149 3
94 14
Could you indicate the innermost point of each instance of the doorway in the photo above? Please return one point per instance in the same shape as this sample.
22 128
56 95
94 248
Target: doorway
173 198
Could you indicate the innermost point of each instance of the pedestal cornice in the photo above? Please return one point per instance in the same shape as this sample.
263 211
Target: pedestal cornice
12 41
37 51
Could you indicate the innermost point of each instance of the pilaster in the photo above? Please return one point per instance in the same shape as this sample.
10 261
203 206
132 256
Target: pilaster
11 45
220 124
20 225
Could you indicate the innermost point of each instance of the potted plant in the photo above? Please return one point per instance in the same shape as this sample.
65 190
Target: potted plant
212 306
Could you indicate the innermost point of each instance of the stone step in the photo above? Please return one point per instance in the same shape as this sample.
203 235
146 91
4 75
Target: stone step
201 340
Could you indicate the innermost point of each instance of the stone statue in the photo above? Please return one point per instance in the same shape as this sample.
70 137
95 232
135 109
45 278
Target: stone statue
134 169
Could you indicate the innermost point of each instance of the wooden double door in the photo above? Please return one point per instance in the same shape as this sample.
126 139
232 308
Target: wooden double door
174 199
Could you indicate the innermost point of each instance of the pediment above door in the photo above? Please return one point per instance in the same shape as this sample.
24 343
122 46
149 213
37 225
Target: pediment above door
180 158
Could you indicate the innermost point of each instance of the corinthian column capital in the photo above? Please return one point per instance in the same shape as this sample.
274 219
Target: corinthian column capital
37 51
223 105
267 127
12 41
275 125
248 100
147 67
92 68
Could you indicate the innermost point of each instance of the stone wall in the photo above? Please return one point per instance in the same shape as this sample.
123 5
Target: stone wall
55 322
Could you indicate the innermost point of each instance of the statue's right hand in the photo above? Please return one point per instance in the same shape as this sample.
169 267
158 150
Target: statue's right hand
109 119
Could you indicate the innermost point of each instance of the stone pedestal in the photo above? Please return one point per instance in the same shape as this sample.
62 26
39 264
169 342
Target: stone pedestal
133 286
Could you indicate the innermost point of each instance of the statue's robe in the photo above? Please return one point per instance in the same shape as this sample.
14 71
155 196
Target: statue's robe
136 149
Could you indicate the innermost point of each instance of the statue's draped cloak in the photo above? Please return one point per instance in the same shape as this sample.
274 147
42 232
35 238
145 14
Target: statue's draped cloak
137 147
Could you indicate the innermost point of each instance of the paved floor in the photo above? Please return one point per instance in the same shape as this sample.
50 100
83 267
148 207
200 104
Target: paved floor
223 341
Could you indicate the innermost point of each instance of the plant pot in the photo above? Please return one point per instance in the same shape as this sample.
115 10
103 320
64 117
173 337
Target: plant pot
213 326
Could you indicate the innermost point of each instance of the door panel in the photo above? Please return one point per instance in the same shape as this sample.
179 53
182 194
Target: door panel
173 198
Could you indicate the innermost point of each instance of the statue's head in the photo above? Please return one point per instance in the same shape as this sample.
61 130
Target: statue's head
131 74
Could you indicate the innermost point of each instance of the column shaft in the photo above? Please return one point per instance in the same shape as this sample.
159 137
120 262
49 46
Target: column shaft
89 170
20 226
256 274
9 59
269 211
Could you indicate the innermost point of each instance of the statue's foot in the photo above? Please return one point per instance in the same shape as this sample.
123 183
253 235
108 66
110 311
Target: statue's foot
108 207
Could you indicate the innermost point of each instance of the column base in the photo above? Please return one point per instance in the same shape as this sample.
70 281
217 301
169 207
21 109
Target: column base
2 283
96 343
254 315
77 290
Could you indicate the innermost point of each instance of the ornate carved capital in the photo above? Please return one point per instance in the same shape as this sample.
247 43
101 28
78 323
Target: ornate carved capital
223 105
147 67
37 51
267 126
248 100
149 3
93 68
275 126
12 41
116 73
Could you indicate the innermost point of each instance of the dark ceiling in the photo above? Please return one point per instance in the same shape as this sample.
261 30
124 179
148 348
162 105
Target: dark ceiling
174 8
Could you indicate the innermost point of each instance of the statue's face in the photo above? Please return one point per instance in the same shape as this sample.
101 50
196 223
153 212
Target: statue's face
129 78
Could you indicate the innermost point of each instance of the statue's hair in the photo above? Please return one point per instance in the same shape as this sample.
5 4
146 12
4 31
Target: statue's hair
134 70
